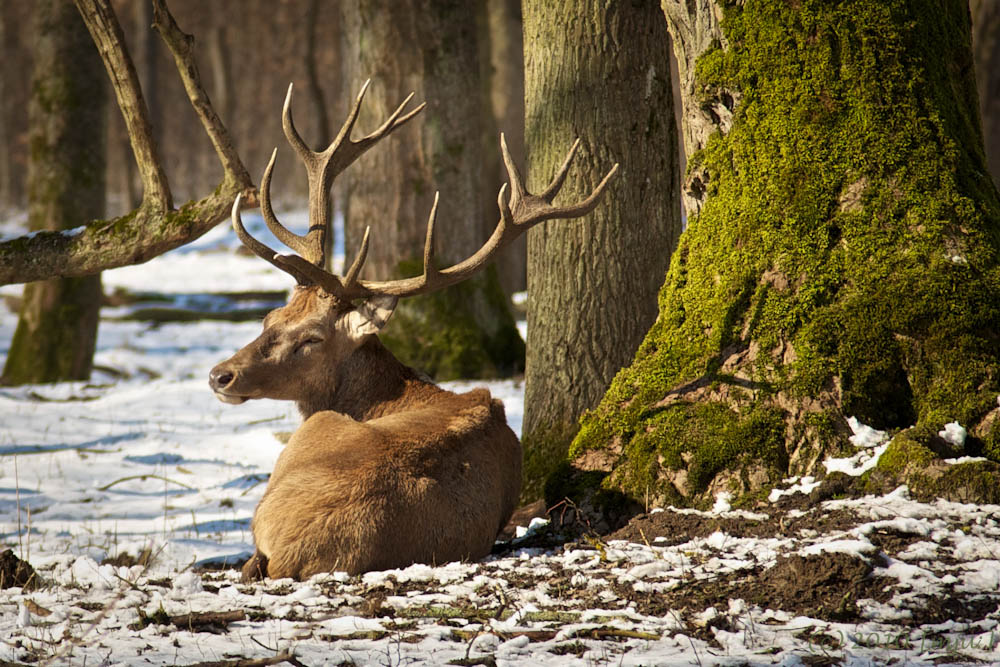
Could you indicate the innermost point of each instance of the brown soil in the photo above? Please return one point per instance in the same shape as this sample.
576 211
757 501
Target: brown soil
16 572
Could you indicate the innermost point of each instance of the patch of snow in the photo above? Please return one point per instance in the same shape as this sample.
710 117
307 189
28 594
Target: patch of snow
864 436
861 548
806 485
965 459
722 502
537 524
954 433
858 464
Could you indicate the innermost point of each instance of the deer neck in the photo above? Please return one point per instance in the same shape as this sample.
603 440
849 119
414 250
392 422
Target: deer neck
371 383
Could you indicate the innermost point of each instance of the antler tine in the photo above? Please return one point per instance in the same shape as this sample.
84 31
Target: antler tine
259 248
394 121
290 239
288 125
518 212
430 270
573 210
351 279
352 116
513 174
557 182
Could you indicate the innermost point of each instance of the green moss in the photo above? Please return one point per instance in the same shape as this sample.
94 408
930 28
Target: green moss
544 452
849 239
465 331
977 482
703 439
904 453
991 443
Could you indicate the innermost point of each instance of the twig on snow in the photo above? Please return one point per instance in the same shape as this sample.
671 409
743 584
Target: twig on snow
284 656
144 478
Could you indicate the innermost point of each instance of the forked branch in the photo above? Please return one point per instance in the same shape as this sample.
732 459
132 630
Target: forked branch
155 227
181 45
108 36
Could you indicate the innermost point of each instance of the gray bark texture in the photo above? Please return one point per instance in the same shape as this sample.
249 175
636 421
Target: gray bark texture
598 71
986 51
57 329
694 27
507 99
429 47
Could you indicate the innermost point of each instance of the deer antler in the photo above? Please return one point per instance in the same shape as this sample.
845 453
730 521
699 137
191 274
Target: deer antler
519 211
321 168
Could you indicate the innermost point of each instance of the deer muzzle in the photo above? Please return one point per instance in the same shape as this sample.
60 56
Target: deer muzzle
220 380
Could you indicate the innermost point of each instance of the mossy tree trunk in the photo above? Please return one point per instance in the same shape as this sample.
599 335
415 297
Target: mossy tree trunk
841 259
986 51
429 47
598 71
57 330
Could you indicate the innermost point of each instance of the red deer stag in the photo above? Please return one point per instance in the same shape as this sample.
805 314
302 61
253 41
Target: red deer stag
387 469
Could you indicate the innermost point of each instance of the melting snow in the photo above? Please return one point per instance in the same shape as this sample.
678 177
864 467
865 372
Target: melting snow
152 462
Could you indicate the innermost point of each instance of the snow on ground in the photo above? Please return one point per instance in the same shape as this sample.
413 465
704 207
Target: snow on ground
144 459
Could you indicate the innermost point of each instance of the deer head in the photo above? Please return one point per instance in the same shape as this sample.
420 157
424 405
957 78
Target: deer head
330 316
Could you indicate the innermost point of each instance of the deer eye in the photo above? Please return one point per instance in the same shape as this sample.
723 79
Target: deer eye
306 344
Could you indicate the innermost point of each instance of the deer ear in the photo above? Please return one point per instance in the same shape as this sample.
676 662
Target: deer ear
370 316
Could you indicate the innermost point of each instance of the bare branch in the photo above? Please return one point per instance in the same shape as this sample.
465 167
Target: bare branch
181 45
106 244
107 35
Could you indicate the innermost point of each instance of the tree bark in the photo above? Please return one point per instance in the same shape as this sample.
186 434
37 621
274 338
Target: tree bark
430 47
5 143
57 330
843 261
507 100
598 71
986 50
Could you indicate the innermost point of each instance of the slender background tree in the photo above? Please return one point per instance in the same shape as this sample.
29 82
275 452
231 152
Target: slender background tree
430 47
57 329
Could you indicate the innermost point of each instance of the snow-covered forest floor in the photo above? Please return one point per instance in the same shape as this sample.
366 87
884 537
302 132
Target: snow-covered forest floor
132 495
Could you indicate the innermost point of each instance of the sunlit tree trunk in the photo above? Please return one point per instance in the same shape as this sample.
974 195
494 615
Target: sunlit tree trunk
598 71
841 258
57 329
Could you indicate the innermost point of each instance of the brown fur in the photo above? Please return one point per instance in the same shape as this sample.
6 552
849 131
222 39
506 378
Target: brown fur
386 470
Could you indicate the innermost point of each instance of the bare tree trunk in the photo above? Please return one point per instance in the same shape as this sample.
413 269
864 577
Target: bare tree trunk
57 330
599 71
507 101
986 51
428 47
5 147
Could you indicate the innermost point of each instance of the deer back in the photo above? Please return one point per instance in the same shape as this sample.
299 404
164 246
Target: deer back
433 484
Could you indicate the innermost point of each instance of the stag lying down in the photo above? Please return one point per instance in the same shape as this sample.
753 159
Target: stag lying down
387 469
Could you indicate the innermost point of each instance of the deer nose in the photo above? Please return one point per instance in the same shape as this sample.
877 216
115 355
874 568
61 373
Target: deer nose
220 378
